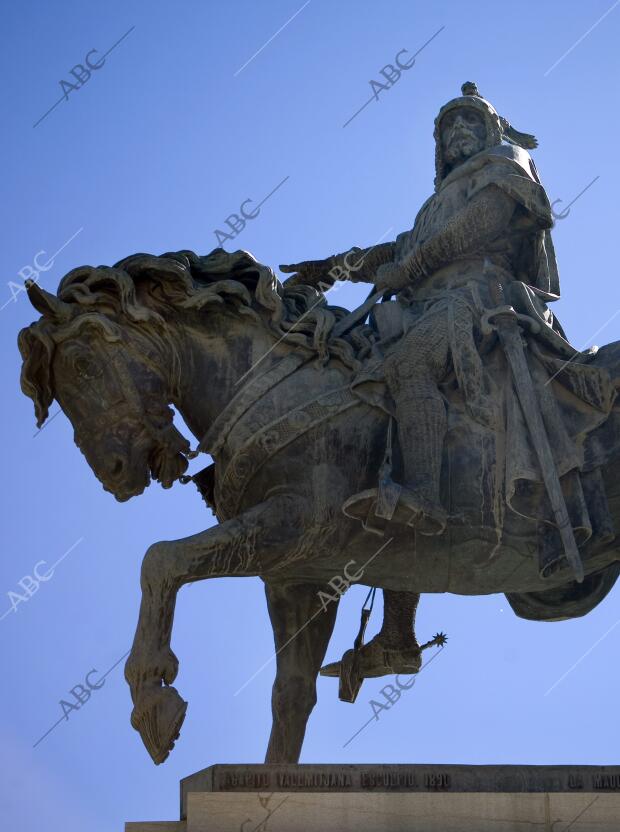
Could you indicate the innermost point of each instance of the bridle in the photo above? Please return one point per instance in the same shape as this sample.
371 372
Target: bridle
135 405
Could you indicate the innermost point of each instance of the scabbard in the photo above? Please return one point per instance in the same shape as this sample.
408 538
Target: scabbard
511 341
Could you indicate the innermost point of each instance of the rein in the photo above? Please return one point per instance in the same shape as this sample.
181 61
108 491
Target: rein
215 438
266 440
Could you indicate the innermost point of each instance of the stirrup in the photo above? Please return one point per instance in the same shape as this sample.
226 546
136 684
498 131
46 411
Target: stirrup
355 666
382 662
409 509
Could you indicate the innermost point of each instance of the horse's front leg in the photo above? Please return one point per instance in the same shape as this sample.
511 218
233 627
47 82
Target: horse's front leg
243 546
302 626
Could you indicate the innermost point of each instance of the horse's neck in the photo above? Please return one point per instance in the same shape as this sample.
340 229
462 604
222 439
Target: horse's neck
216 366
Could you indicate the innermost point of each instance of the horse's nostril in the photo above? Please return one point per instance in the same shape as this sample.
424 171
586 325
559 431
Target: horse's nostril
117 467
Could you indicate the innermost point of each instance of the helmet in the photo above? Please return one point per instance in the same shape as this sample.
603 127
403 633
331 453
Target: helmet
498 128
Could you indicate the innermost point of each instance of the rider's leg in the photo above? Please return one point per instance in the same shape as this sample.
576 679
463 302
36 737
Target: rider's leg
395 648
413 372
398 628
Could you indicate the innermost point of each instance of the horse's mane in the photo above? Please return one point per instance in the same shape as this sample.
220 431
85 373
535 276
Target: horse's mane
148 289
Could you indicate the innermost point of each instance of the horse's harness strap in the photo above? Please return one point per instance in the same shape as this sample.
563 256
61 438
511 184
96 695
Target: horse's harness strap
134 397
215 438
250 458
132 403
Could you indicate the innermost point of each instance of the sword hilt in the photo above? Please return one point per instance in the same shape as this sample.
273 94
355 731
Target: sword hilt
506 312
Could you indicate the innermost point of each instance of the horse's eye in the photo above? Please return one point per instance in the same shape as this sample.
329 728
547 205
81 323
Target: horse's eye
86 368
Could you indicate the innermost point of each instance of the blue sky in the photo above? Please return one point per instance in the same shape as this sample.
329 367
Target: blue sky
184 121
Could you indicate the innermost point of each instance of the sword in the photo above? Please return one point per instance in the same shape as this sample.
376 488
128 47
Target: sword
507 327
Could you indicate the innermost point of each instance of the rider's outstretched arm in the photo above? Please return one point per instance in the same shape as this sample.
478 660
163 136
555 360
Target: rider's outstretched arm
356 264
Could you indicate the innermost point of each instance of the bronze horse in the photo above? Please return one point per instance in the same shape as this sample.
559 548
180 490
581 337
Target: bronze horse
266 387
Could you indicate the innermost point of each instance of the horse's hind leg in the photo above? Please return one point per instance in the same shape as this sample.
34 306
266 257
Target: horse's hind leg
243 546
302 626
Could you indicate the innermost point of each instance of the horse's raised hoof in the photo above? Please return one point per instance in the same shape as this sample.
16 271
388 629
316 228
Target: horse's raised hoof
158 719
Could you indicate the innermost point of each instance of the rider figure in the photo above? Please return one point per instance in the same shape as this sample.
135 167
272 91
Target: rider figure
480 242
488 220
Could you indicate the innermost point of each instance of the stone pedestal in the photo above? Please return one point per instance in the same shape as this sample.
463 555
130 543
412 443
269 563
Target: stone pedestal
397 798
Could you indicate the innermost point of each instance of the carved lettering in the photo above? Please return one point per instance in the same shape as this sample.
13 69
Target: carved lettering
437 781
609 782
388 780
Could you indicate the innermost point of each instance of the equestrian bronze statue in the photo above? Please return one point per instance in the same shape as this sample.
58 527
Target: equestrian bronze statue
445 439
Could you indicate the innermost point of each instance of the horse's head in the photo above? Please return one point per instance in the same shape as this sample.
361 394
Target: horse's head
111 345
107 373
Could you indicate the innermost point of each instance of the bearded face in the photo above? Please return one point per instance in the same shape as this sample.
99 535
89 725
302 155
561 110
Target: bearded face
463 134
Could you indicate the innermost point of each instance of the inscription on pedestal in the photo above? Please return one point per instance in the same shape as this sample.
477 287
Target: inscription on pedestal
582 782
300 781
312 778
389 780
606 782
401 778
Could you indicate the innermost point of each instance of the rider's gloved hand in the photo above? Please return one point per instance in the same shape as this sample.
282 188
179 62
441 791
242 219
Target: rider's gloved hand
308 271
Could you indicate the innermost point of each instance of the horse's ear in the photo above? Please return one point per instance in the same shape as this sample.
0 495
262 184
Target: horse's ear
47 304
